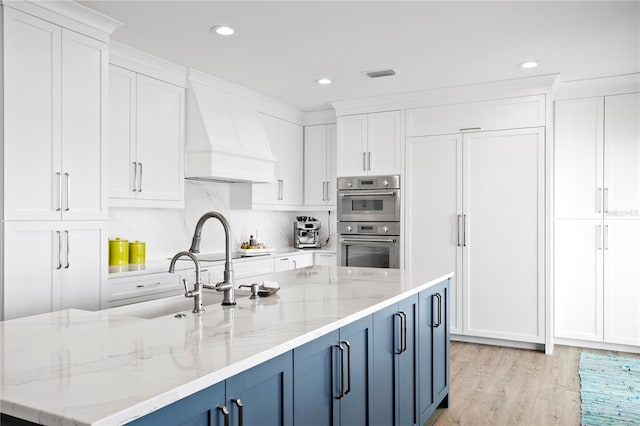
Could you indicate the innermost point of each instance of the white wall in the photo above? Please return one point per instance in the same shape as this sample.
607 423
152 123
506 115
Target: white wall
167 231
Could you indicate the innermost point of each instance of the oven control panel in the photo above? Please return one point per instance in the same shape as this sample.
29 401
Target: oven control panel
369 228
369 182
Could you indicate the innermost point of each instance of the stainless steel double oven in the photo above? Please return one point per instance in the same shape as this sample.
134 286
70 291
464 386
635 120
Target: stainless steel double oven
369 221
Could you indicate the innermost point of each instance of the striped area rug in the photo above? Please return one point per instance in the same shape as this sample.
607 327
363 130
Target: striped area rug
609 390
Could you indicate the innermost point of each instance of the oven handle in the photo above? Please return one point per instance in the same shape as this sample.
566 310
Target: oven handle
368 194
370 240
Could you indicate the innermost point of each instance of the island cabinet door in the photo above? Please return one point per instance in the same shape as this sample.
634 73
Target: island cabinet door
357 372
204 408
262 395
433 350
394 397
316 382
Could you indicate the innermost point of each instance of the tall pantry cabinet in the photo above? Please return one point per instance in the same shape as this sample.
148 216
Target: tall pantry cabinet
53 153
597 219
475 204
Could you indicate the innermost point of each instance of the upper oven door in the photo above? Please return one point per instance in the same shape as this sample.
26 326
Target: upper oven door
369 205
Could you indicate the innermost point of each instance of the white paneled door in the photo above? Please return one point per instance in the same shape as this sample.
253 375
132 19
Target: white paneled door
503 209
578 272
352 145
579 150
159 140
621 243
434 213
622 155
32 86
84 105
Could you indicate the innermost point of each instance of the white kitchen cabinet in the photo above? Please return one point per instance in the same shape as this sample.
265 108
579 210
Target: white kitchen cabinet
475 204
328 259
320 165
54 105
597 178
285 139
508 113
146 142
598 157
70 259
293 261
369 144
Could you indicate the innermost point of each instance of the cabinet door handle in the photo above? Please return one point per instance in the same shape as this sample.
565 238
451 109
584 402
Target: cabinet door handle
459 230
68 192
135 179
240 410
341 376
606 200
59 207
364 161
225 413
58 233
599 237
295 265
66 240
439 297
348 345
398 350
464 230
369 160
606 237
404 331
140 178
328 197
599 200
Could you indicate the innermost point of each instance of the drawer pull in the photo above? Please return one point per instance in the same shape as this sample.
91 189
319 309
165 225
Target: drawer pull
148 285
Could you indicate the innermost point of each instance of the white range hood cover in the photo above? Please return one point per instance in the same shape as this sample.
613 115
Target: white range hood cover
225 139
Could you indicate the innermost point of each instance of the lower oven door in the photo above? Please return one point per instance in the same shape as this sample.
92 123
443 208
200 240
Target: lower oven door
371 251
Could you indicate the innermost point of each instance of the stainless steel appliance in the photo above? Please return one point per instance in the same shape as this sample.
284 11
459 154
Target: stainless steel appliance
369 221
306 232
369 198
369 244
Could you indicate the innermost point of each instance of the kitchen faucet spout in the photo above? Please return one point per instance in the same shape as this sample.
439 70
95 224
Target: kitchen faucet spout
196 293
226 285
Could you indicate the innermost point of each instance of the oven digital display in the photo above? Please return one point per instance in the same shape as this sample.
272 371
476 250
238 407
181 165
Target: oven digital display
366 205
366 182
366 228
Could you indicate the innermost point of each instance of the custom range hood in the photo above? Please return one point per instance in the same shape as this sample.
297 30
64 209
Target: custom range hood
225 140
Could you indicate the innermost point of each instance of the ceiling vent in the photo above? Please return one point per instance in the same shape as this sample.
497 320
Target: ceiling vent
381 73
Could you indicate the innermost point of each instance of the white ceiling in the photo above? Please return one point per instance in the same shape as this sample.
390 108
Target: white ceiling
280 48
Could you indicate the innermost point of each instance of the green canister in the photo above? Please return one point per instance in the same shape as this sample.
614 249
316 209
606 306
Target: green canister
118 252
137 252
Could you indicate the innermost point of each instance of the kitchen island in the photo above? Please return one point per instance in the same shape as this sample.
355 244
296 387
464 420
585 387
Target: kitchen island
111 367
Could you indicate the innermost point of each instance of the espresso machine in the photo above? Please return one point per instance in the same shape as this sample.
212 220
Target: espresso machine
306 232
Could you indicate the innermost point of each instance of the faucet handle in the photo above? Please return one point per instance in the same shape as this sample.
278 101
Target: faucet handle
186 287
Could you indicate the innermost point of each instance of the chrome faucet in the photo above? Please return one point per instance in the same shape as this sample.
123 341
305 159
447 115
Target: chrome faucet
196 293
226 285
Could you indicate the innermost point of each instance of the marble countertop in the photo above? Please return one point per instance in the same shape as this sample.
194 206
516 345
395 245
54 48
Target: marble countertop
108 368
155 266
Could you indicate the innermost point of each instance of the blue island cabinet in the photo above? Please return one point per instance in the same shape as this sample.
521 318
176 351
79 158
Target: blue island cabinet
333 377
259 396
395 356
433 349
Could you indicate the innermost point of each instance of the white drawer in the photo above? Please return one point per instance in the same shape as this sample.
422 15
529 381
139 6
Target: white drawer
302 260
252 267
144 285
325 259
509 113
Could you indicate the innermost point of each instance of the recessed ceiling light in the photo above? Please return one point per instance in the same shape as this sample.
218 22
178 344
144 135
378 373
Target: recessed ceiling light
323 81
529 64
222 30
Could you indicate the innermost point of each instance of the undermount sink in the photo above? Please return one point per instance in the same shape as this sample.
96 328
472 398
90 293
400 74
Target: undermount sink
171 305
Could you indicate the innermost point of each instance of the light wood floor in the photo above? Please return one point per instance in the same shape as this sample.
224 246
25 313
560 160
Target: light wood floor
493 385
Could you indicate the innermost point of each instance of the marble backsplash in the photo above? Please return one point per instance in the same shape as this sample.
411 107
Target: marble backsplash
167 231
